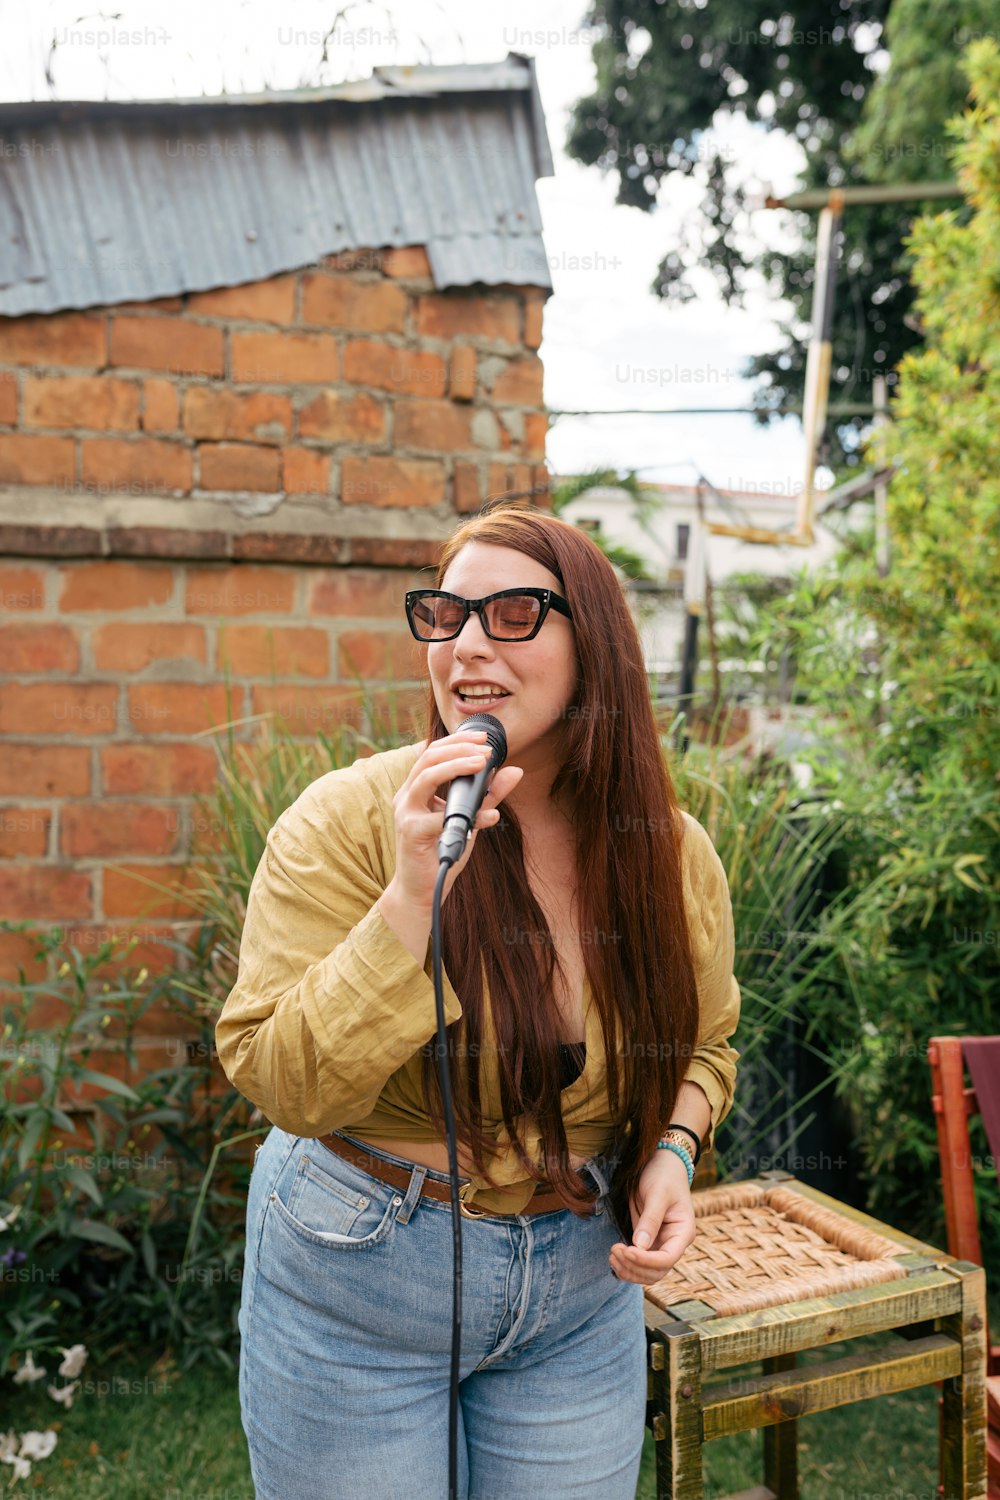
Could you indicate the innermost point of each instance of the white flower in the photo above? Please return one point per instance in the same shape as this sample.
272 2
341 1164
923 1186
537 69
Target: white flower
22 1468
65 1396
74 1360
38 1444
8 1444
6 1223
29 1371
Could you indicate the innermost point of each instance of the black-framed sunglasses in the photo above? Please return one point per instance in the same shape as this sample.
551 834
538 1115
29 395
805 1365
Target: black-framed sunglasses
510 615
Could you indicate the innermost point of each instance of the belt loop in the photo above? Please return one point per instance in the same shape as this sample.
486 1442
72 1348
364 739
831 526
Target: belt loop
598 1176
413 1193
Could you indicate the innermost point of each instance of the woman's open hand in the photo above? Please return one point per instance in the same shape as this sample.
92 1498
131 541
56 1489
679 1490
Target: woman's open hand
662 1212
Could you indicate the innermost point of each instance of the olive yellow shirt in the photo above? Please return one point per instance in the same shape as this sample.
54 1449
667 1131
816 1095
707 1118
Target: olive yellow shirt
324 1027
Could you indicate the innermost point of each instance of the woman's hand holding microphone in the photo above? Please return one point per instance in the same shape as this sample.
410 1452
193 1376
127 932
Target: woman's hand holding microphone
418 813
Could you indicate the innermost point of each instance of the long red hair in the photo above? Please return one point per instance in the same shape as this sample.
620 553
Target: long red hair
628 830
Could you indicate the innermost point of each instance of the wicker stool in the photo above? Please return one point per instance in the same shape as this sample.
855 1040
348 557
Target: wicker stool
779 1267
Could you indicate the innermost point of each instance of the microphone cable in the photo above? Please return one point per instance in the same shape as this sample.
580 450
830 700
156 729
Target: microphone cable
461 811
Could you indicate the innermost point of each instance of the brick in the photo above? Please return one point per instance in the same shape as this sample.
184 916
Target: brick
521 382
432 426
58 708
467 490
54 339
24 831
534 307
239 466
27 459
95 829
313 548
520 478
462 383
407 372
340 418
541 484
19 952
38 648
145 465
271 301
406 262
344 302
308 711
128 893
165 770
161 406
239 591
44 770
395 552
386 482
274 651
166 541
8 401
133 647
21 589
48 891
173 344
276 358
305 471
459 314
155 304
113 585
498 480
400 711
351 592
363 258
536 426
382 653
176 707
91 401
219 412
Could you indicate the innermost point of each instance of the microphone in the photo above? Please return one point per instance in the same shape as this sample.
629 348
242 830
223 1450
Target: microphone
466 793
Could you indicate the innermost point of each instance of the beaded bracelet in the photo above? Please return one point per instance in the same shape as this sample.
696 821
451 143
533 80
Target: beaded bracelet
682 1153
687 1131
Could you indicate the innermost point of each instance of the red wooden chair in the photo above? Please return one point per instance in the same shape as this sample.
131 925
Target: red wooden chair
953 1104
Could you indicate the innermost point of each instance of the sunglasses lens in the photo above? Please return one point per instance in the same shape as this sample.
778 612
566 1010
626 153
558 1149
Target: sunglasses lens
514 616
436 618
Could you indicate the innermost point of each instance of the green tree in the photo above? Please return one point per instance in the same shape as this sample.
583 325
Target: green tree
904 674
666 70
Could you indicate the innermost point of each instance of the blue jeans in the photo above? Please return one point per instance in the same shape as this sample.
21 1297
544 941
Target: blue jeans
346 1320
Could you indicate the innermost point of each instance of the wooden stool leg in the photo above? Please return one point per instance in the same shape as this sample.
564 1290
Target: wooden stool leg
963 1397
676 1380
781 1468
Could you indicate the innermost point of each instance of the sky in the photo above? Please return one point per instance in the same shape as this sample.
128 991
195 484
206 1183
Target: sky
608 341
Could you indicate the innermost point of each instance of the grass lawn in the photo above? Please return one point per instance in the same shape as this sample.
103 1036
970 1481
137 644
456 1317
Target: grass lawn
150 1432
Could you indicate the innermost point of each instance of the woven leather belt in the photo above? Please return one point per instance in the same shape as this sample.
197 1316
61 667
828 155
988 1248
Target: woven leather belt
544 1200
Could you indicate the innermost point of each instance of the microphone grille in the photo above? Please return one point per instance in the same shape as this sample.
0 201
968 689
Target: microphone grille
495 736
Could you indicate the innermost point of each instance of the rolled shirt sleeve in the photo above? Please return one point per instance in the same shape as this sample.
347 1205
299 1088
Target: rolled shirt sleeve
328 1002
713 943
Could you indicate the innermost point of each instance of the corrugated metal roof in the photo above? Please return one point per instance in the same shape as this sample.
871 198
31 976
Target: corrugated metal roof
108 201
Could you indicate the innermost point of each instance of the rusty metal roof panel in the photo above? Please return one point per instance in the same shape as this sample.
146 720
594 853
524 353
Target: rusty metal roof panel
103 202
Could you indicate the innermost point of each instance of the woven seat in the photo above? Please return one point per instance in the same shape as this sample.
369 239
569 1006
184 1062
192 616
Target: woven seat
777 1268
761 1246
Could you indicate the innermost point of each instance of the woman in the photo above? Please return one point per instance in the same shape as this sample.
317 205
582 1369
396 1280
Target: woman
587 945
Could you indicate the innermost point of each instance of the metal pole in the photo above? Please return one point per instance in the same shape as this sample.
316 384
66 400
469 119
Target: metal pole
694 600
888 192
819 356
881 519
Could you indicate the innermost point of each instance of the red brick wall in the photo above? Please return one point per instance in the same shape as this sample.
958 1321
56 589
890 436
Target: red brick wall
355 380
356 383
